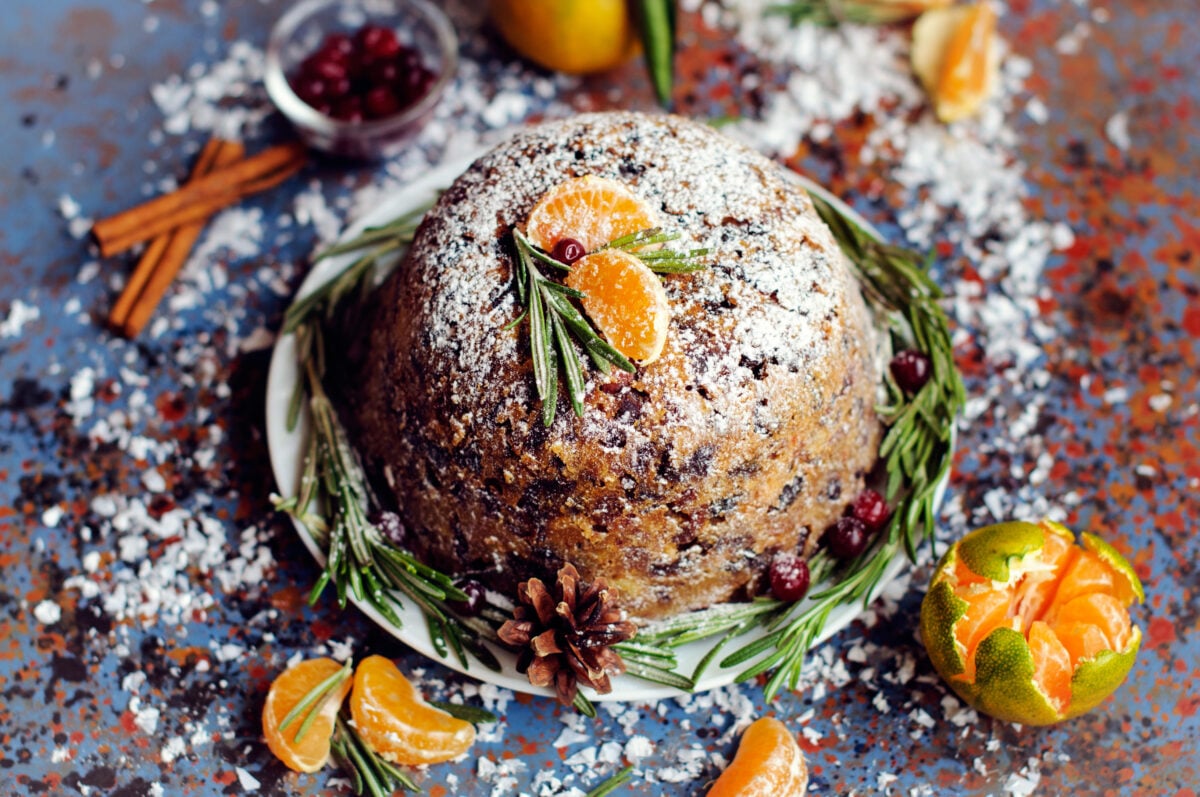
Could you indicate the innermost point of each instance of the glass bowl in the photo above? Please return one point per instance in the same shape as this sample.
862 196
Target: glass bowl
418 25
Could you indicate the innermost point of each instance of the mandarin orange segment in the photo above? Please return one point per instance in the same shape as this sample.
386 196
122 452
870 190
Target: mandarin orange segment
592 210
1105 612
1082 640
1052 666
289 689
1086 573
626 301
987 610
397 723
768 763
966 67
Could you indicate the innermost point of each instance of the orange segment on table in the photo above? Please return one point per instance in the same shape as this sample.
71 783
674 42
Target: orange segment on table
289 689
393 718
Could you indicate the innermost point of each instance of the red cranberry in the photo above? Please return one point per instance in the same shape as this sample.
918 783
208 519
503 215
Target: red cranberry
337 47
385 73
476 596
390 526
342 87
789 577
910 369
871 509
377 42
348 109
847 538
380 102
310 89
568 250
319 65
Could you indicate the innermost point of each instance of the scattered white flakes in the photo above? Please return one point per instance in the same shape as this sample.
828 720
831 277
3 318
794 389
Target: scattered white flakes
1071 43
1116 129
310 207
570 736
637 748
1037 111
173 749
247 781
19 314
880 703
47 612
52 516
1160 402
144 717
1024 784
884 780
1116 395
153 481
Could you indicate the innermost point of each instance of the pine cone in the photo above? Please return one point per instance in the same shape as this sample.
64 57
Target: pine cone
564 637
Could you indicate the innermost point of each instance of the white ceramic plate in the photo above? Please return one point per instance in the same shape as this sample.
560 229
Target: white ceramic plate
286 450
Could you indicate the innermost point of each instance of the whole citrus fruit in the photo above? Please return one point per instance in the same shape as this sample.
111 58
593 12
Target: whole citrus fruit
1028 626
576 36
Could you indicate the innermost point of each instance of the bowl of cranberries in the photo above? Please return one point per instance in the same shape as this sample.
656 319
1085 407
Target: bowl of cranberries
360 77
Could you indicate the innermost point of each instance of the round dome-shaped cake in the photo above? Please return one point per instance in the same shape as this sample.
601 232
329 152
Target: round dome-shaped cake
749 435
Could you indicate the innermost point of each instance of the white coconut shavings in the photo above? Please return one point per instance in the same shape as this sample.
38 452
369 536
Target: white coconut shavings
19 314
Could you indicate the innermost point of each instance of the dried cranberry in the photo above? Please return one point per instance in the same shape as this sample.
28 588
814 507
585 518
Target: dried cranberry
337 47
319 65
910 369
310 89
568 250
384 73
789 577
390 526
341 87
348 109
377 42
847 538
871 509
417 83
475 598
380 102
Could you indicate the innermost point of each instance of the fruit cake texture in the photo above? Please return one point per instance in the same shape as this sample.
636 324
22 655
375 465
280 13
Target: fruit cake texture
749 435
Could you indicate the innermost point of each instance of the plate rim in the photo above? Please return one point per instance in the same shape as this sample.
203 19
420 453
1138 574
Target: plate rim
283 450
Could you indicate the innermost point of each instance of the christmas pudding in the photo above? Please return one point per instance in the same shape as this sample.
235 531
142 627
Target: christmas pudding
526 396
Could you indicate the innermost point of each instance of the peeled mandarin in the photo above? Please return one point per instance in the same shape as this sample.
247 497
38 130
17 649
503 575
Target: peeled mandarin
768 763
1028 626
393 718
592 210
955 56
626 301
292 686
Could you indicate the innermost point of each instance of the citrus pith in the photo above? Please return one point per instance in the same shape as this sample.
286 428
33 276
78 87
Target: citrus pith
291 687
1029 627
768 763
393 718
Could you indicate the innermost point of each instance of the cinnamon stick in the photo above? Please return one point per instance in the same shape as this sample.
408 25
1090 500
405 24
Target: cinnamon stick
199 199
167 253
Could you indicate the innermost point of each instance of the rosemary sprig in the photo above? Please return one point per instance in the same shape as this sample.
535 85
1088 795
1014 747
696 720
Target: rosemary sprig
831 13
656 20
471 714
554 320
616 781
334 500
368 771
314 701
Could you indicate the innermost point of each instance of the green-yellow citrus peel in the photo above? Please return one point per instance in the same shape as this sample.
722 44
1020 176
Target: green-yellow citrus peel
999 566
